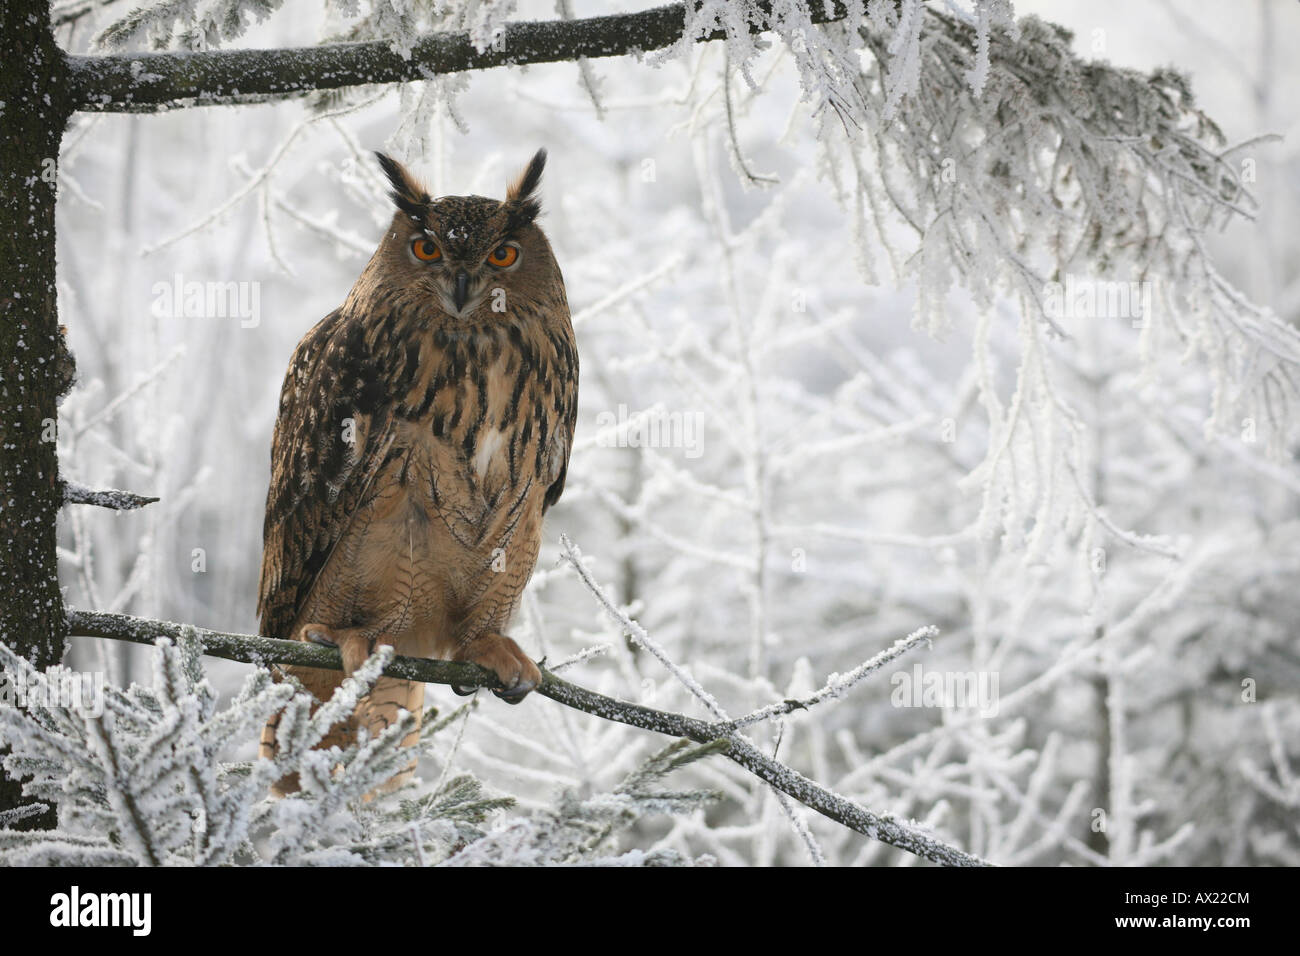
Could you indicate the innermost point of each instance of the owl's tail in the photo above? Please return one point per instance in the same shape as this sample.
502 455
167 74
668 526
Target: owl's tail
376 712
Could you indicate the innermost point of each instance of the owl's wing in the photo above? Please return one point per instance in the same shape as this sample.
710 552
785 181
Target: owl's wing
566 401
331 438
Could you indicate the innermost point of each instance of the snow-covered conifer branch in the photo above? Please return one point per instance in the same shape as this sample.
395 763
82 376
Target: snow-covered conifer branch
9 817
138 780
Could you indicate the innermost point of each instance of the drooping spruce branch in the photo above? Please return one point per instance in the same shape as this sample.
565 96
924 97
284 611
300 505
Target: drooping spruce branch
150 82
265 651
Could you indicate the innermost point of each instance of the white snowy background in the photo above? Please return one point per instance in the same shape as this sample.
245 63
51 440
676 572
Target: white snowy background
826 510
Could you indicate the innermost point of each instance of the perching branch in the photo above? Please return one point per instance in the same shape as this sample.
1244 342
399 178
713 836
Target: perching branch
149 82
74 494
264 651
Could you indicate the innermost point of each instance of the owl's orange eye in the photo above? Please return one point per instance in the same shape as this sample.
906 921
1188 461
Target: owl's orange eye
426 250
503 256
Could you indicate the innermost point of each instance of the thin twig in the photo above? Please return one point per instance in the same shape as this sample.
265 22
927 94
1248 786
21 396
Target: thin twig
838 683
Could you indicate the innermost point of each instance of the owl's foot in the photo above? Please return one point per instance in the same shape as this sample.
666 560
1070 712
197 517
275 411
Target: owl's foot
354 646
501 655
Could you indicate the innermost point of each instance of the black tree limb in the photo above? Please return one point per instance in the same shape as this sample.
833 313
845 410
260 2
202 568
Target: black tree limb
265 651
149 82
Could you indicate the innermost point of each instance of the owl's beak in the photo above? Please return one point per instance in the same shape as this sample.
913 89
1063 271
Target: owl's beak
461 295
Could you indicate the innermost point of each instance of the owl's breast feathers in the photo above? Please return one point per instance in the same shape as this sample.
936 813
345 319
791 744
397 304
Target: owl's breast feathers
471 423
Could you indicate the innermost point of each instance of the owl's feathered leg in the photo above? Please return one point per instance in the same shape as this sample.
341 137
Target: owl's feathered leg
377 711
321 684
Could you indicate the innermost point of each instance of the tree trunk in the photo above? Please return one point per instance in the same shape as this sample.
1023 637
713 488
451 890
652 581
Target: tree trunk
35 368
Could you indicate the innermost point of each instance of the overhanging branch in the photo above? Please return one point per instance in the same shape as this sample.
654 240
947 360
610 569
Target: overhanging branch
149 82
265 651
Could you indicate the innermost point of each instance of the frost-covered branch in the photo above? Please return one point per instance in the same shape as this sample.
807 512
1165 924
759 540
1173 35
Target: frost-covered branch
147 82
265 651
75 494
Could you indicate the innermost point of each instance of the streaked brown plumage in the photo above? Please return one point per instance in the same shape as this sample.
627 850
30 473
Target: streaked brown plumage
424 429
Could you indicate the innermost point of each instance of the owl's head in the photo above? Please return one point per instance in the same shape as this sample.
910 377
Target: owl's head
469 254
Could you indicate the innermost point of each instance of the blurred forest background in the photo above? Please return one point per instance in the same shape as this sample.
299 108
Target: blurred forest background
819 514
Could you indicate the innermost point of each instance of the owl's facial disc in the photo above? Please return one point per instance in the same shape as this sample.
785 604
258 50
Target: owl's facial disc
462 278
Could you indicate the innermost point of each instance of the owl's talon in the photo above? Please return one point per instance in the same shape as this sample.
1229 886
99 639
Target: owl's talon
462 690
503 657
315 636
516 694
353 644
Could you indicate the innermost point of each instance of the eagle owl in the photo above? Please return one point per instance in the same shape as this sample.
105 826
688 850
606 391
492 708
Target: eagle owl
424 429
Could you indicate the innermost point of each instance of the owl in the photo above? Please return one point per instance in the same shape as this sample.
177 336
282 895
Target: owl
424 430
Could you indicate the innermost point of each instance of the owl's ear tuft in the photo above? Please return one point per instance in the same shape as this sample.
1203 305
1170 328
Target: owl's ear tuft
521 192
527 182
409 194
